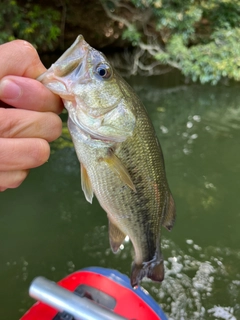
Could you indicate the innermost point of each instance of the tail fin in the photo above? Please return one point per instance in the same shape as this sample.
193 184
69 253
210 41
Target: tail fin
153 269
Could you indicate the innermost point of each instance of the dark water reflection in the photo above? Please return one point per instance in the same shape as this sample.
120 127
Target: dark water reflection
47 227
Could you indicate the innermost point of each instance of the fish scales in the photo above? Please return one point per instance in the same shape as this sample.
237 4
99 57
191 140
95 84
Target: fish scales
121 158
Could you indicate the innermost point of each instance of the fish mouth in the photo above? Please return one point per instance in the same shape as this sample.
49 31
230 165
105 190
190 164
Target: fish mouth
67 69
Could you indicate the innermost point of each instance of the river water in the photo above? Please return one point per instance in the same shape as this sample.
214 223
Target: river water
48 228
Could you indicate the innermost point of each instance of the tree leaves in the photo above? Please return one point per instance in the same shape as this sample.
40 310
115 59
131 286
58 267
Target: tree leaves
201 38
30 22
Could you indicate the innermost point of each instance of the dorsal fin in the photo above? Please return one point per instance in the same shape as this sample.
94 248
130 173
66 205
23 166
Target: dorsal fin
170 214
86 184
116 237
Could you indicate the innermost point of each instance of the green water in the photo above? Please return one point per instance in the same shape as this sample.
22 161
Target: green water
47 227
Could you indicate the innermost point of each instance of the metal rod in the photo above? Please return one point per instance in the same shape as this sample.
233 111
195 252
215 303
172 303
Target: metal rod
61 299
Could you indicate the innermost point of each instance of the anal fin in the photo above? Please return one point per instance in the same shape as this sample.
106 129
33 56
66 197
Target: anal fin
116 237
86 184
118 167
170 215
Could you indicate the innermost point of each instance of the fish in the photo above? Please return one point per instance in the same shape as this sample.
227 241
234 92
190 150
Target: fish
121 160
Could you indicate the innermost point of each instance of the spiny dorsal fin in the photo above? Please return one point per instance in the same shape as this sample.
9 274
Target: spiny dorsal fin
116 237
118 167
170 215
86 184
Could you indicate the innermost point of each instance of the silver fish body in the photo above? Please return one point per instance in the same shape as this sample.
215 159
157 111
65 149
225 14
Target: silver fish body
121 158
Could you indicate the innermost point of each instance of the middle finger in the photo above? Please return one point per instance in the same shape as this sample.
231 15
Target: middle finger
17 123
22 154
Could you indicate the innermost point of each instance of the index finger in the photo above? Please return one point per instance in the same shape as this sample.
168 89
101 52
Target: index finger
21 64
20 58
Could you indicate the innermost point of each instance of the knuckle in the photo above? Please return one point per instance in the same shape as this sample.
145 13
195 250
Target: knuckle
40 152
55 127
12 179
32 66
7 125
26 46
19 177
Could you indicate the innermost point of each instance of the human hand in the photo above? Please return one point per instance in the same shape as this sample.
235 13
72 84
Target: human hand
26 129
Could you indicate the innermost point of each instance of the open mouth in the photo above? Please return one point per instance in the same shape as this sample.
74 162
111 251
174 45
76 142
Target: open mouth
66 69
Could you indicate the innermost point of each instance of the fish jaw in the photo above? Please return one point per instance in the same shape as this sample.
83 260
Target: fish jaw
74 77
59 78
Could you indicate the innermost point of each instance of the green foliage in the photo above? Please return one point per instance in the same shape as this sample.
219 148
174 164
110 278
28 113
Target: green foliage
219 58
201 38
180 18
29 22
132 34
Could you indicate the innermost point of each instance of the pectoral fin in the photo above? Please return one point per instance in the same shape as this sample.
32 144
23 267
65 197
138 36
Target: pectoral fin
116 237
86 184
117 166
170 215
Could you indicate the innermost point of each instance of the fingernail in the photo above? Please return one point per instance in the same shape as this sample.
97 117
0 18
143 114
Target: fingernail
9 90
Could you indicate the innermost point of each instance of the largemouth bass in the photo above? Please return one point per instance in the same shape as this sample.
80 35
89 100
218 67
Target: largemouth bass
120 156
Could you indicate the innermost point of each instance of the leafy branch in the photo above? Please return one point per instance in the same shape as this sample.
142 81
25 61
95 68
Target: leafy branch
144 51
200 38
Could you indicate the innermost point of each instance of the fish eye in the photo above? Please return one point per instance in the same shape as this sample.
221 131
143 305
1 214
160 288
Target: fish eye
104 71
